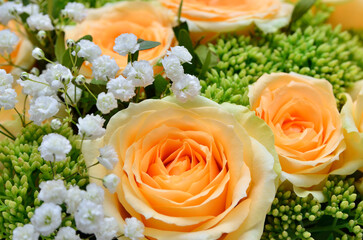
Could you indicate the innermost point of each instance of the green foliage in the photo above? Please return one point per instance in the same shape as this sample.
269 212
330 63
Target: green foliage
22 170
341 217
312 49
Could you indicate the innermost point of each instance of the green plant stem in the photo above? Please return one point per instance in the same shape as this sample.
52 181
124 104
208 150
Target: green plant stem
84 84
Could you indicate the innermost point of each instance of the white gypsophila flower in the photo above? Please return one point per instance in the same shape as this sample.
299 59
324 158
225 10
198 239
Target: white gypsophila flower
108 229
6 10
95 193
42 108
8 40
67 233
6 80
104 68
54 147
88 50
36 86
55 124
52 191
186 88
133 229
181 53
30 9
38 53
73 94
126 43
141 73
7 98
173 69
58 75
47 218
121 88
26 232
89 216
108 157
73 198
106 102
40 21
90 127
110 182
75 11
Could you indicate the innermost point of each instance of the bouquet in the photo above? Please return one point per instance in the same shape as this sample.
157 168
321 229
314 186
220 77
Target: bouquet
183 120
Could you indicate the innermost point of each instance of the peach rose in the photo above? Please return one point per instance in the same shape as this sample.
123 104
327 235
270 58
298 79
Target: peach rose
147 20
303 115
232 15
347 13
21 55
352 113
197 170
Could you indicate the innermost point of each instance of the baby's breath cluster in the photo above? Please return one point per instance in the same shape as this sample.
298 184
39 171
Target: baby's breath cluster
293 217
318 51
23 169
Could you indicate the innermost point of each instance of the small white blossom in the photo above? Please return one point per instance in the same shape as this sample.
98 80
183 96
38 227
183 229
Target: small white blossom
181 53
7 98
36 87
80 79
134 229
90 126
186 88
95 193
42 108
104 67
54 147
73 94
6 10
47 218
27 232
73 198
6 80
38 53
67 233
40 22
108 229
52 191
110 182
58 75
173 69
55 124
141 73
106 102
30 9
75 11
126 43
89 216
88 50
121 88
108 157
8 40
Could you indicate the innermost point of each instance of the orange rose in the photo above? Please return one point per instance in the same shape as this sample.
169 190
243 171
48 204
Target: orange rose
352 113
21 55
232 15
347 13
147 20
197 170
302 113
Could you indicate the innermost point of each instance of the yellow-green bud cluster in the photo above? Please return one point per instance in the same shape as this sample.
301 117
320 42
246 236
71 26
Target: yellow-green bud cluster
293 217
22 170
318 51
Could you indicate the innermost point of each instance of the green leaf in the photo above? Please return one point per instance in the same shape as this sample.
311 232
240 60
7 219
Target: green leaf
180 10
135 56
202 52
182 25
160 84
98 82
185 40
144 45
55 7
205 65
60 47
300 9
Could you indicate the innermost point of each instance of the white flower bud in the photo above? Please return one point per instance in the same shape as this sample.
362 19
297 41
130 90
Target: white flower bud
55 124
110 182
38 53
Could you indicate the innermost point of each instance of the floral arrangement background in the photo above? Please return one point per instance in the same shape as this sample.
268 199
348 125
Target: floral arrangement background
181 119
